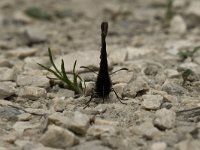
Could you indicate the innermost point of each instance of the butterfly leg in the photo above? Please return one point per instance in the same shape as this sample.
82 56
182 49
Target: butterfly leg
88 102
119 98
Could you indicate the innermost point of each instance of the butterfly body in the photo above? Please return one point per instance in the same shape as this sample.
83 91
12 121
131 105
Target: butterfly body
103 83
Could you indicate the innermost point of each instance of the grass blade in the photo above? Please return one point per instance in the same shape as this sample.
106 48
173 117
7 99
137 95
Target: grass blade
52 62
74 74
195 49
66 79
48 69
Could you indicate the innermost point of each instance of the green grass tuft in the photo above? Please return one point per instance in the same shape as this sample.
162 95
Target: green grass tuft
38 13
169 14
186 54
185 75
74 85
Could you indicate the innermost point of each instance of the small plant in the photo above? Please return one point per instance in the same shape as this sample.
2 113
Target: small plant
41 14
74 85
186 54
38 13
185 75
63 13
169 11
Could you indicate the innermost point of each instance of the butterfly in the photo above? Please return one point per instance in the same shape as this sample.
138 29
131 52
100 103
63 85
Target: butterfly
103 84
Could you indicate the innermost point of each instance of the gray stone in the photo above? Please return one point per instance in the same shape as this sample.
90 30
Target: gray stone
119 88
133 52
30 145
99 121
5 45
187 65
36 105
32 93
159 79
178 25
31 62
20 17
1 20
58 119
20 126
9 113
84 59
37 111
152 68
7 74
197 60
58 137
173 88
78 122
65 93
7 89
174 47
91 145
24 144
37 80
117 55
170 98
3 148
146 129
188 144
122 76
159 146
22 52
5 62
97 130
193 9
89 76
44 148
35 35
24 117
134 87
59 104
165 119
152 102
158 3
5 103
171 73
179 3
34 72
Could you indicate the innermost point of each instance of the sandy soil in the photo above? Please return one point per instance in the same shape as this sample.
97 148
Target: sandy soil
162 112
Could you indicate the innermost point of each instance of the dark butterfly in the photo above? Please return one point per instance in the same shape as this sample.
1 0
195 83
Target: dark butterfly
103 85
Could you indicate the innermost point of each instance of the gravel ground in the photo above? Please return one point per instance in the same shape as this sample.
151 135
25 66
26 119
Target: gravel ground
161 88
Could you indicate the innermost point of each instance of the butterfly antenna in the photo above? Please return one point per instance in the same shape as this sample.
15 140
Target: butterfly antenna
118 70
88 69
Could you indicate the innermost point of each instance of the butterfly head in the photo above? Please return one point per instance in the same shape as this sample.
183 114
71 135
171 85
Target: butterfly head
104 28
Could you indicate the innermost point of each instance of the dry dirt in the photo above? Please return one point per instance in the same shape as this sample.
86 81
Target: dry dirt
161 113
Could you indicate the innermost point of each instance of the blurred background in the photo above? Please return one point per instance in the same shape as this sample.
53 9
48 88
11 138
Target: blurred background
70 25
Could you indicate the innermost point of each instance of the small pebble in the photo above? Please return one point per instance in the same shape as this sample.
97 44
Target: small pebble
159 146
7 89
165 119
152 102
32 93
58 137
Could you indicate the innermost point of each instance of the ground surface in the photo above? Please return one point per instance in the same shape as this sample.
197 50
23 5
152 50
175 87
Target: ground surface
38 114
